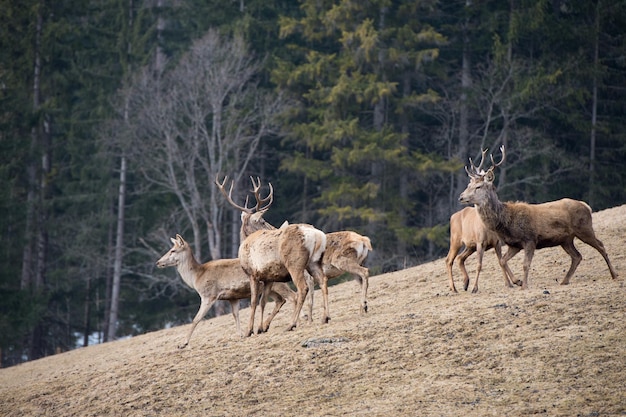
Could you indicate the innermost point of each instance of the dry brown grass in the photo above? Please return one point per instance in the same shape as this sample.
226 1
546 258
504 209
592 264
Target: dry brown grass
552 350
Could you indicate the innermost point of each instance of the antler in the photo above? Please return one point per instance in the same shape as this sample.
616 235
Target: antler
262 203
476 171
493 163
228 196
257 195
482 159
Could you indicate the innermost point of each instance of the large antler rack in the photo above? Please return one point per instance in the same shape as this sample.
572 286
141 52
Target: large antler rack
477 171
262 203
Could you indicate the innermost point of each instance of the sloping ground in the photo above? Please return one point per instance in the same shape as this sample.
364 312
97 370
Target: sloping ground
551 350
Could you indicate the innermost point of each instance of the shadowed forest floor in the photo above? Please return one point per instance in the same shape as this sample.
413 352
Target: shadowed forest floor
421 350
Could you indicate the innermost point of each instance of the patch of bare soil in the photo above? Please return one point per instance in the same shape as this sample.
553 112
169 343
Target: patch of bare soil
421 350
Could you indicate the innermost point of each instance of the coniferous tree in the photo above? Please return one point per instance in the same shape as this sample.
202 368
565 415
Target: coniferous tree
359 77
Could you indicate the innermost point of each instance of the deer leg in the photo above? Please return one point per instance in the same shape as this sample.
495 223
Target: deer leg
254 298
481 251
467 251
279 301
301 285
351 265
311 284
599 246
324 288
529 252
205 305
263 290
454 250
510 253
506 271
576 258
365 277
315 269
262 302
234 308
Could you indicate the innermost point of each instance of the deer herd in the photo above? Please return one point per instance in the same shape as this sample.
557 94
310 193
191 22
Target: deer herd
269 257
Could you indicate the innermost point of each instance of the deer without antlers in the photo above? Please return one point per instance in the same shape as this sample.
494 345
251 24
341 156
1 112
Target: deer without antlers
346 251
468 230
222 279
531 226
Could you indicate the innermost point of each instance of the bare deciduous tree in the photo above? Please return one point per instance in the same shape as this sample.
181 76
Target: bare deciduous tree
207 115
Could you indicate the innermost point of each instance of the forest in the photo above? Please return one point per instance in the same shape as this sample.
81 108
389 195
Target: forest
118 116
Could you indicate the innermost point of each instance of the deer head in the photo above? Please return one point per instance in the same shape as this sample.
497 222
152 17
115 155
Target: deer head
173 256
251 217
481 181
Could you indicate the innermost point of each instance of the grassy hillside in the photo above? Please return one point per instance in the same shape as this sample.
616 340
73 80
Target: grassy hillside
551 350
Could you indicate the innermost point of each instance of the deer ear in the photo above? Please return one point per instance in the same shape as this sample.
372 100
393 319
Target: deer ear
489 175
180 240
174 241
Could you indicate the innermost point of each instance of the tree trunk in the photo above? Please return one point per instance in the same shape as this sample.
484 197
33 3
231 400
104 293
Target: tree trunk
31 197
42 226
119 252
159 58
109 278
33 272
403 186
466 83
594 106
87 313
234 233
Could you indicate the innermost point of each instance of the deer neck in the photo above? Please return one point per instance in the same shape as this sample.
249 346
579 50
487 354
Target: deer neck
249 226
188 269
491 211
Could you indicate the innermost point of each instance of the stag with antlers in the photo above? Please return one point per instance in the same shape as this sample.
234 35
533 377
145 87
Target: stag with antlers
278 255
531 226
346 251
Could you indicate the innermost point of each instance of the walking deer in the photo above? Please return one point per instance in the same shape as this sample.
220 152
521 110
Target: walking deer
531 226
468 230
222 279
346 251
269 256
